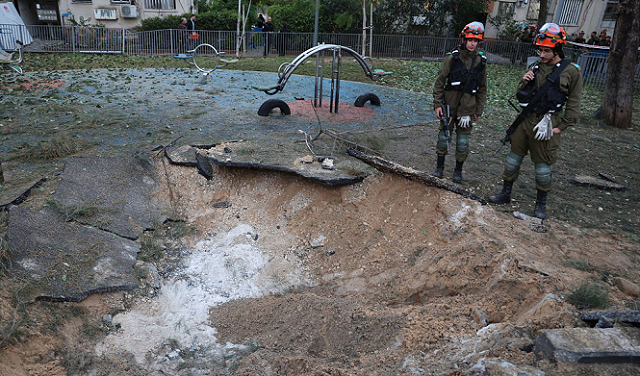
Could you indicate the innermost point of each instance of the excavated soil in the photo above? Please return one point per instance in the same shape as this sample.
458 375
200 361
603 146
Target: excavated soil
385 277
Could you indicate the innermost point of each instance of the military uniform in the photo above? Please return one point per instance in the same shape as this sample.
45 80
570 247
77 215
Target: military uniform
546 152
460 103
561 84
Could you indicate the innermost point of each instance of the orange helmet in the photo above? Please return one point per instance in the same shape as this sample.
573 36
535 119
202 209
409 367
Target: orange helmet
473 30
551 35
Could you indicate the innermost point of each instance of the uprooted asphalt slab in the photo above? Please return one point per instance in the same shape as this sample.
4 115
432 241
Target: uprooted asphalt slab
82 243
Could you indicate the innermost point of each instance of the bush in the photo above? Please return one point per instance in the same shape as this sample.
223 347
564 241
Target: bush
507 27
218 20
159 23
299 17
589 295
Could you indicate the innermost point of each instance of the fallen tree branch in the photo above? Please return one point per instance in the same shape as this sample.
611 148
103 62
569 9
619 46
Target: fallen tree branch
384 165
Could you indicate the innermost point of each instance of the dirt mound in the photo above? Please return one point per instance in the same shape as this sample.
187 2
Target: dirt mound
402 273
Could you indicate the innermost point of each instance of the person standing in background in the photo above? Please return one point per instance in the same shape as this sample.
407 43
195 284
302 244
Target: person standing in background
267 28
182 33
283 36
191 27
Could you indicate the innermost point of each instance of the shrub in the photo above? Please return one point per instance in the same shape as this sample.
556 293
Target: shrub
589 295
218 20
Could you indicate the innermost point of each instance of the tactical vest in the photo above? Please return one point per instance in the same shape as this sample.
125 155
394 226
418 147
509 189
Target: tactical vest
551 101
465 80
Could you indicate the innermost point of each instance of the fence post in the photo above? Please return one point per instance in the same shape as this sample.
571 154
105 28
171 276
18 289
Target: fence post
172 35
73 39
123 41
401 46
444 47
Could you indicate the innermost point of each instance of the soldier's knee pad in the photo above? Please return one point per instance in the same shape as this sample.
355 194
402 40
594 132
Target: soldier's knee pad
543 173
442 142
462 143
512 163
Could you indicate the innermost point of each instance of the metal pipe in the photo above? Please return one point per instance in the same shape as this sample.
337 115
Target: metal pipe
333 71
338 80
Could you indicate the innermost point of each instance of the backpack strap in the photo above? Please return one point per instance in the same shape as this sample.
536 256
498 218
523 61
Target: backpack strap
551 79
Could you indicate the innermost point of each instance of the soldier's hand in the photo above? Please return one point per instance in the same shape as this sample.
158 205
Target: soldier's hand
464 121
439 112
528 76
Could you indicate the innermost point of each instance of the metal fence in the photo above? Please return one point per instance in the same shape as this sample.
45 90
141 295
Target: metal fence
80 39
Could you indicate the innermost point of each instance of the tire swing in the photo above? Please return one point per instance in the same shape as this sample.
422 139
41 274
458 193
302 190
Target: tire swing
367 97
270 104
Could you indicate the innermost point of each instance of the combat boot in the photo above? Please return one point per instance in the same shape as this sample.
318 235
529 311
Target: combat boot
457 173
540 210
439 172
504 196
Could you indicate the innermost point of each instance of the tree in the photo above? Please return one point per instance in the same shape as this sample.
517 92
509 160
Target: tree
297 14
542 14
617 107
436 17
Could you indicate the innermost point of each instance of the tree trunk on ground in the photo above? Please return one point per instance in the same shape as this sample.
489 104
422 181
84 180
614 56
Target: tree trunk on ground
542 14
617 107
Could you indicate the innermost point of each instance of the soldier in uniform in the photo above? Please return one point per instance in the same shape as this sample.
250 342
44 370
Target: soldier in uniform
462 86
540 132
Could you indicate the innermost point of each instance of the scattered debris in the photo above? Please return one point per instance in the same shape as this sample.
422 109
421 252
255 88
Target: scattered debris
531 267
586 345
607 176
222 204
182 155
632 317
535 224
307 159
327 164
607 184
204 167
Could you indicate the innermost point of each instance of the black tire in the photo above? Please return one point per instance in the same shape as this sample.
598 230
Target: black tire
270 104
367 97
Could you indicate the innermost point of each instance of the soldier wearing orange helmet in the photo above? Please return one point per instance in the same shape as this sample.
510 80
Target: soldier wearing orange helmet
461 87
549 86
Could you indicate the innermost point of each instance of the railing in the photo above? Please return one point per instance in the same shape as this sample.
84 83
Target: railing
80 39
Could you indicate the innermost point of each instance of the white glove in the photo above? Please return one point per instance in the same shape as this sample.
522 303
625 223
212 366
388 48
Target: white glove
464 121
544 129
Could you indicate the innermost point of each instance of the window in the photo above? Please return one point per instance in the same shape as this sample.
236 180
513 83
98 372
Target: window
570 12
534 10
610 11
81 1
506 9
120 1
160 4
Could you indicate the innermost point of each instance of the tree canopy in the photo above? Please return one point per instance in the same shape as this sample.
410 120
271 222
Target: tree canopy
433 17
